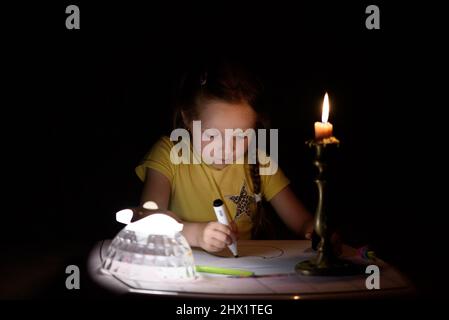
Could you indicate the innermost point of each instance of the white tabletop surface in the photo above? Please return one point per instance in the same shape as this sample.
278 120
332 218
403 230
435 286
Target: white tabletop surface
272 261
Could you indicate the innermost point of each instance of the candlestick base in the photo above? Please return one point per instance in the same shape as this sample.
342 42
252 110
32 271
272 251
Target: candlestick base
338 267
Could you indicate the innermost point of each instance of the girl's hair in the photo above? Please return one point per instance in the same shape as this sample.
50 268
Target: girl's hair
221 80
230 82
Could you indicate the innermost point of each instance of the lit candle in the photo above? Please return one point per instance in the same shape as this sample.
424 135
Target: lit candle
323 129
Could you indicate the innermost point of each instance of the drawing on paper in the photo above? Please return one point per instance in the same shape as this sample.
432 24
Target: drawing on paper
251 250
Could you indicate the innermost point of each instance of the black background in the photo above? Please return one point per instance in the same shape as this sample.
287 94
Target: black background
82 107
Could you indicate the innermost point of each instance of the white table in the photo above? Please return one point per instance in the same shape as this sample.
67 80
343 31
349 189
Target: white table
273 263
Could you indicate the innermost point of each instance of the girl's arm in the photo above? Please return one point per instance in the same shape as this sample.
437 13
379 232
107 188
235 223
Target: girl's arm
156 188
293 212
296 216
211 236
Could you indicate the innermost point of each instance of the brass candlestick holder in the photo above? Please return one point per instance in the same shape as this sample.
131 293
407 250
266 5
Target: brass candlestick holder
326 262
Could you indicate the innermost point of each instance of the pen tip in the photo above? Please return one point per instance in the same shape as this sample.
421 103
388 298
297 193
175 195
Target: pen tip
236 256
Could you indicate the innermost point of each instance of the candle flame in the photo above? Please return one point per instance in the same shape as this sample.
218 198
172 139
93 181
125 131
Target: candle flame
325 112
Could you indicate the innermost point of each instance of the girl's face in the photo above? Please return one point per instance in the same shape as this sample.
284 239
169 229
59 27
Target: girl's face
221 115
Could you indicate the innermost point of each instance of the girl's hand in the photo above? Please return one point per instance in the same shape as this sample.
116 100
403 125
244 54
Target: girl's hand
214 236
235 230
335 240
337 244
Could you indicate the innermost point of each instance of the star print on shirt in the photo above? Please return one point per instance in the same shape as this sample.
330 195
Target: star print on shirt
243 202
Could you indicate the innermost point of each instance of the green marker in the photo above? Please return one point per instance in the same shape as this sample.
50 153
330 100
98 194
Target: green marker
230 272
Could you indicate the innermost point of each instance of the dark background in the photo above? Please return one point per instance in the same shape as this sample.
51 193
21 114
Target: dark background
82 107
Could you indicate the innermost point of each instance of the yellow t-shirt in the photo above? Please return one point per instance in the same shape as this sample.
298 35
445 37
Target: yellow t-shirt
194 187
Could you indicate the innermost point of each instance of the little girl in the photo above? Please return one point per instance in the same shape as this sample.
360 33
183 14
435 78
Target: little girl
222 97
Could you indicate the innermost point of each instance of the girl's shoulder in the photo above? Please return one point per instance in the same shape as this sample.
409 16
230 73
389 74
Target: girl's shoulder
163 143
165 140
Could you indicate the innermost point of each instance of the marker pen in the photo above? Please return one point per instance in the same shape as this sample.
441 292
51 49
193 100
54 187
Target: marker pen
222 217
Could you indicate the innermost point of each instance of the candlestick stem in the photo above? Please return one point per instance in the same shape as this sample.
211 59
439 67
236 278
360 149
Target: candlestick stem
325 262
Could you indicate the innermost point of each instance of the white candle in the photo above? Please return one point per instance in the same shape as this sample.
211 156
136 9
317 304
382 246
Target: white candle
323 129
